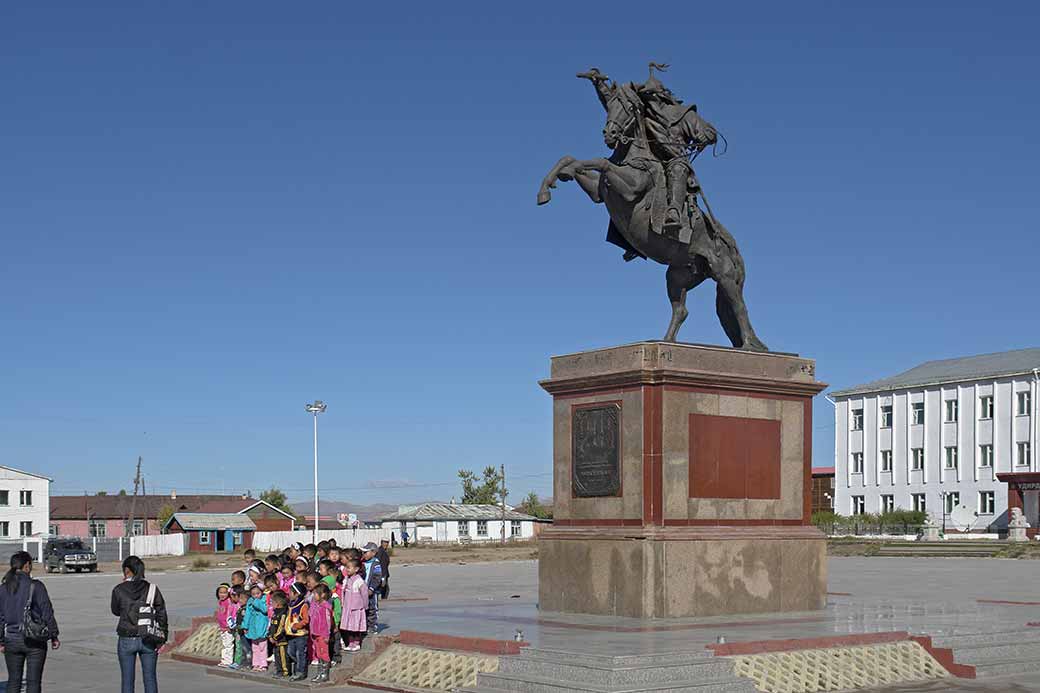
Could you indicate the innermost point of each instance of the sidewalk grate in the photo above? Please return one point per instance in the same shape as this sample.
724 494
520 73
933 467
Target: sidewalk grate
408 666
839 668
204 643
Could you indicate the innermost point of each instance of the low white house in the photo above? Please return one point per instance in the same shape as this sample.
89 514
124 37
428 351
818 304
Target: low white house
24 504
451 523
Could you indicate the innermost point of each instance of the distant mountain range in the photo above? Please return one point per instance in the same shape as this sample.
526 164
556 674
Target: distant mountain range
331 508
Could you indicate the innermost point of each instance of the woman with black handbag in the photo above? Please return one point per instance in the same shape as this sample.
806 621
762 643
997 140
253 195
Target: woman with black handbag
26 624
142 627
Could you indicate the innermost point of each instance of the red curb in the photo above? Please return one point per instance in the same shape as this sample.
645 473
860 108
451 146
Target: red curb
1001 601
760 646
944 656
454 642
839 594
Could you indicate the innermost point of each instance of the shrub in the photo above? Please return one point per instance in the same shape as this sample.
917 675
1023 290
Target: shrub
200 564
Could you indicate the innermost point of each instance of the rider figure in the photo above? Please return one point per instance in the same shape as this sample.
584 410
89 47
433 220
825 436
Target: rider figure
674 131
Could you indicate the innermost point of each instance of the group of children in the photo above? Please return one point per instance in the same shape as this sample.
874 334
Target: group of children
299 607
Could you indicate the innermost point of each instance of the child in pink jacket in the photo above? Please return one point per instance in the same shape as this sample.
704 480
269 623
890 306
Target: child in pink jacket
355 601
227 613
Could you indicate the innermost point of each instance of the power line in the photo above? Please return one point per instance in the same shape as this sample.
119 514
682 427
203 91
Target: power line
372 486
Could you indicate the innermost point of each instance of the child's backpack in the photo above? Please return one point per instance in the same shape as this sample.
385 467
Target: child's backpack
142 614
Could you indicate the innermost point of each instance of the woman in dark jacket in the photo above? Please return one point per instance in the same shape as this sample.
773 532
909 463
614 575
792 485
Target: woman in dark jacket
125 596
24 657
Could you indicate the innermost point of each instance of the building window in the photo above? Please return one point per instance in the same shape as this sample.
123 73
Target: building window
52 530
858 505
987 503
237 538
25 528
203 537
138 528
950 501
482 528
1022 459
886 460
985 455
5 498
463 528
917 459
515 528
986 407
857 419
857 463
888 503
25 498
951 457
1023 403
951 411
920 505
886 416
97 528
917 413
5 529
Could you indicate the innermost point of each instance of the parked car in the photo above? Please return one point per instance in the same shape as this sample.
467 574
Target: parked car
69 554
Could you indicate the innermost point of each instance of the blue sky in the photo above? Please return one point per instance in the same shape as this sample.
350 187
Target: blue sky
216 212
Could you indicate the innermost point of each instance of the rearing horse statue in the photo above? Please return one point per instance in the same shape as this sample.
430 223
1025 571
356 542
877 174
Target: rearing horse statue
631 182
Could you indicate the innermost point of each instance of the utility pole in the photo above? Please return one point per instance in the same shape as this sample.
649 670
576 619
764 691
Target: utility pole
503 468
133 501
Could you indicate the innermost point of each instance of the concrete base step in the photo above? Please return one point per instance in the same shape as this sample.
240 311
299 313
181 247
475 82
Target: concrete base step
954 642
1006 668
701 669
996 652
525 683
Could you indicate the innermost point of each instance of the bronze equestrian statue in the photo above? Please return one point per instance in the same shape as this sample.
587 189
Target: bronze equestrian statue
651 193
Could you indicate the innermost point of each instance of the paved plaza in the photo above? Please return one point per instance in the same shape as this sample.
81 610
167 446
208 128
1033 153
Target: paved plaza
939 597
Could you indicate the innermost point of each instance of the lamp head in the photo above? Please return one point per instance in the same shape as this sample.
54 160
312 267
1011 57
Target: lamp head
317 408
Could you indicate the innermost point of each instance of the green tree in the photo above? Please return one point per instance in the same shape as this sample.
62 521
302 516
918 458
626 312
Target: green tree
164 515
488 490
276 497
534 507
122 492
102 493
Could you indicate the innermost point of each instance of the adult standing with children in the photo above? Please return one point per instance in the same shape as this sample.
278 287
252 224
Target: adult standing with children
138 604
26 624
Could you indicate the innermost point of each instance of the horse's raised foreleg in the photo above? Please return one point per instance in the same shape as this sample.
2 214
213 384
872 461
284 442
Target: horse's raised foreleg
680 279
550 179
586 178
627 181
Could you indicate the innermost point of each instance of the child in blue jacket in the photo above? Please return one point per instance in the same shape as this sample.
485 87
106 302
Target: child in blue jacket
257 624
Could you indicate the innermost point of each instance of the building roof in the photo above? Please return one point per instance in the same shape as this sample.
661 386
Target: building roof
116 507
823 471
1004 363
448 511
212 521
21 471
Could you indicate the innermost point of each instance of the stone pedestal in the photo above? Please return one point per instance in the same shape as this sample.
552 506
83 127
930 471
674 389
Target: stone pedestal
682 484
1018 526
930 530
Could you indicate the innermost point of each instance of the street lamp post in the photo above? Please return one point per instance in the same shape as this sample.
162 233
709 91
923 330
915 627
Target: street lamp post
317 408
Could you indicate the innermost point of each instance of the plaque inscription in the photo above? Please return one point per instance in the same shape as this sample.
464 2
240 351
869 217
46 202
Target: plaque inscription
595 451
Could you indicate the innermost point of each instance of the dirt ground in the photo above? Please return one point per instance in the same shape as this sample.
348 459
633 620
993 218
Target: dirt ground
517 551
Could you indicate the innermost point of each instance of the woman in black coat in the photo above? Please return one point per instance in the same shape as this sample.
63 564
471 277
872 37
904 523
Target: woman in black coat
24 657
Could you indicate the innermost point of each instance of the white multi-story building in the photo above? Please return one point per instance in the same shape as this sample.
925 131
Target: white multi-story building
24 504
958 432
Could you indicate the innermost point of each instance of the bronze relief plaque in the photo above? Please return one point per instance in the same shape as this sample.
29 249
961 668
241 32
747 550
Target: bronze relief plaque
596 451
